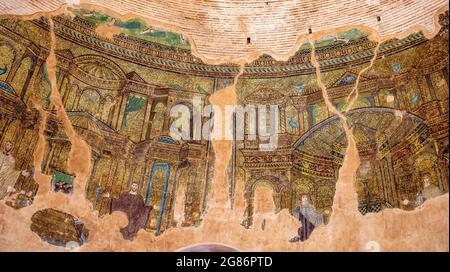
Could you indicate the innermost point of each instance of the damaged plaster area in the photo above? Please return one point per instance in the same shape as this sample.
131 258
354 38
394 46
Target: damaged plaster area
215 175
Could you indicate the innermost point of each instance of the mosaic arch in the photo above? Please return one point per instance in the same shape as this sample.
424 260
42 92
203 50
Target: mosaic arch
375 146
107 145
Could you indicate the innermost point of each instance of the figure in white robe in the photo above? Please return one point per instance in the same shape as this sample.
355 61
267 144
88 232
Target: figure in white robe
8 175
309 218
429 191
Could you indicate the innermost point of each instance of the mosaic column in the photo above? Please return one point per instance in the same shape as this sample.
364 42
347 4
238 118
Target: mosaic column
282 118
62 76
439 176
401 94
423 95
90 181
166 123
384 181
145 126
444 174
380 182
49 157
123 105
101 106
233 162
374 94
144 174
248 214
31 74
132 171
445 73
205 187
77 99
310 117
5 127
431 87
392 179
277 201
302 116
167 196
150 119
172 199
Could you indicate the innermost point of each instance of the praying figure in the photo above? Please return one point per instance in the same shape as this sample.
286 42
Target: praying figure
132 204
309 218
429 191
8 175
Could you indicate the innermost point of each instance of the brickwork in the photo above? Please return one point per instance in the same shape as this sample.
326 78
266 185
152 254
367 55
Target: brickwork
220 29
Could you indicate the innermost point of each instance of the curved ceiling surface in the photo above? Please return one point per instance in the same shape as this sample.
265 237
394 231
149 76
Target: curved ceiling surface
229 30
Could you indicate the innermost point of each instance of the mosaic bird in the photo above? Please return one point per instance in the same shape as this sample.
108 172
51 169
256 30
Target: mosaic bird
335 38
200 89
183 39
4 70
112 22
396 67
292 123
90 14
147 30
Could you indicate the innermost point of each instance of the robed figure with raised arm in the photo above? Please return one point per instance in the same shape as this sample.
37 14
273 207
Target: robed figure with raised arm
132 204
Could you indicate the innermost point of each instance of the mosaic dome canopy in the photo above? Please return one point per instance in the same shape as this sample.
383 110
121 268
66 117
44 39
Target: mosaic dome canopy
100 68
328 138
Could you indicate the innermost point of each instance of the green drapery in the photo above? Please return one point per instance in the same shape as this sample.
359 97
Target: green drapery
134 104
